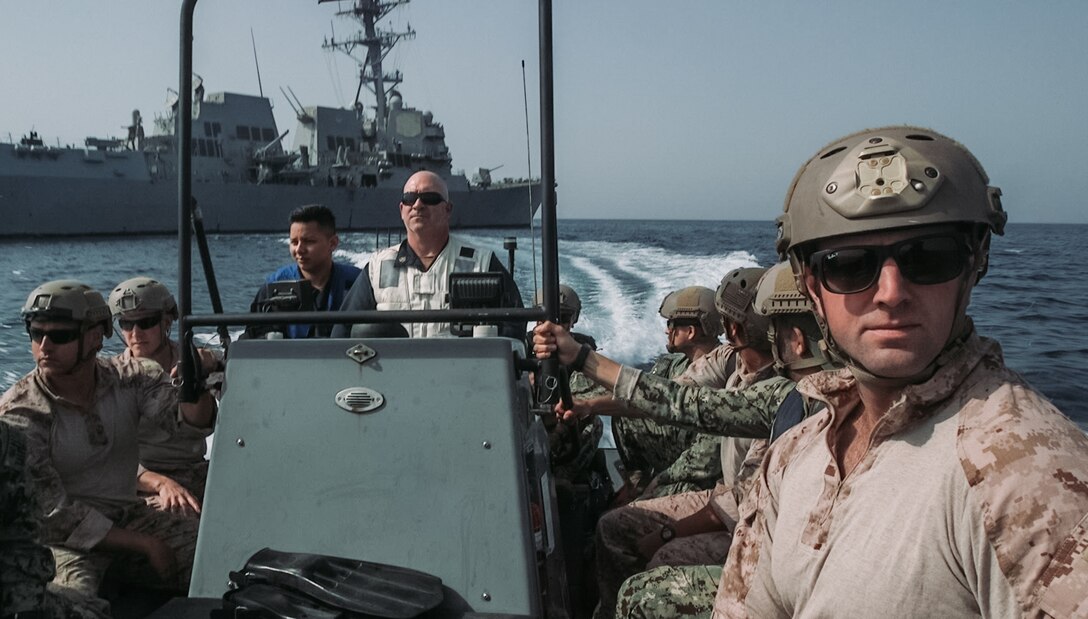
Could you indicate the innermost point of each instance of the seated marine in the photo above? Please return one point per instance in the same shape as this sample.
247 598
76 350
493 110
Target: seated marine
173 470
80 414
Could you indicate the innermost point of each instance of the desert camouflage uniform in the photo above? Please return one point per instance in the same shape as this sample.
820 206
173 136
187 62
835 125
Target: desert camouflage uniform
680 590
973 483
750 409
178 455
82 501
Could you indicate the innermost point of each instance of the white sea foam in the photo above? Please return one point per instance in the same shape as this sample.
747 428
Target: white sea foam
622 285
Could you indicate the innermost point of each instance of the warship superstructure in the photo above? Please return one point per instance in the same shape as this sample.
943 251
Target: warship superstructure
354 161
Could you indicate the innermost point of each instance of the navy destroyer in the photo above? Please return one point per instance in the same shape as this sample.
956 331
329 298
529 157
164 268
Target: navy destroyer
355 161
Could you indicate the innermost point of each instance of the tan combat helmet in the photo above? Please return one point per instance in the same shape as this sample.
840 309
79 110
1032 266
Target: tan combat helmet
693 303
140 295
569 303
734 302
777 297
887 179
891 178
68 299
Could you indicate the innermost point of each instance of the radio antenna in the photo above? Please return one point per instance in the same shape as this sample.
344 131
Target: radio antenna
529 169
257 64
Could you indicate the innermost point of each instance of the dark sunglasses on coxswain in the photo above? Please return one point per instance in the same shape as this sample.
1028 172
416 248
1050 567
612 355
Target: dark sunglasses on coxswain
925 260
144 323
57 336
429 198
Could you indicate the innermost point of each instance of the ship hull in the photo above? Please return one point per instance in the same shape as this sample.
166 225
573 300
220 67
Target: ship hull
53 206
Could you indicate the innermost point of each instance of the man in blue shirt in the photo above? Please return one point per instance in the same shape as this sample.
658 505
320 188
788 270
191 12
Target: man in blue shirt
313 241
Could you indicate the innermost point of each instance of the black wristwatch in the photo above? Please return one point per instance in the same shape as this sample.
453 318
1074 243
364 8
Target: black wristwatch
667 533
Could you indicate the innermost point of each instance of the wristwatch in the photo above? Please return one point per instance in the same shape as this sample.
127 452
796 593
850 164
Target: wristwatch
667 533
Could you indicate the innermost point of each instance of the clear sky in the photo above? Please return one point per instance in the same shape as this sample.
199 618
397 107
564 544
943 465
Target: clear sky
697 109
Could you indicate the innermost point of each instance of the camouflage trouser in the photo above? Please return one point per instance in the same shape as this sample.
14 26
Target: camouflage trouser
619 531
84 571
192 478
667 592
25 565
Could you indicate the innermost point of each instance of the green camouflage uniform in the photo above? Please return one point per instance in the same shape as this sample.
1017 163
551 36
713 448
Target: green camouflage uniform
746 412
103 438
573 467
26 567
645 446
670 592
178 454
709 458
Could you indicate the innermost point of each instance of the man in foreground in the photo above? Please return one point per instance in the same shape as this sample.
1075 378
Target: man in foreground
313 240
414 274
937 481
80 415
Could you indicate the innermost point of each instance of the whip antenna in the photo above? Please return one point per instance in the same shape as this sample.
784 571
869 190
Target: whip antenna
257 64
529 167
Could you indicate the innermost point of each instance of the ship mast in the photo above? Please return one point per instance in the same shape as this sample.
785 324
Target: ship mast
377 44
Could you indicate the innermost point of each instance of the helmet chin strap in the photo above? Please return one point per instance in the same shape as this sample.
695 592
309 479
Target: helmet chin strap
83 356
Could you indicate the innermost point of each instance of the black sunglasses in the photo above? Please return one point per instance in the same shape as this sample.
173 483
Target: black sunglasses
923 260
57 336
674 323
429 198
144 323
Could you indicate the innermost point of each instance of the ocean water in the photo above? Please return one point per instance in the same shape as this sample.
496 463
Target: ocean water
1034 299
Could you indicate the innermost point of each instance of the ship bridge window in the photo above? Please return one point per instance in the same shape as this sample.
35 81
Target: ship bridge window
216 129
207 148
268 134
254 133
243 132
336 141
208 130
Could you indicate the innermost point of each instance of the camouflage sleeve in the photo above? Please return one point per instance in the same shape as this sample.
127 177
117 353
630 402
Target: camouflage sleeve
25 565
699 465
66 522
158 397
582 388
747 413
670 365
